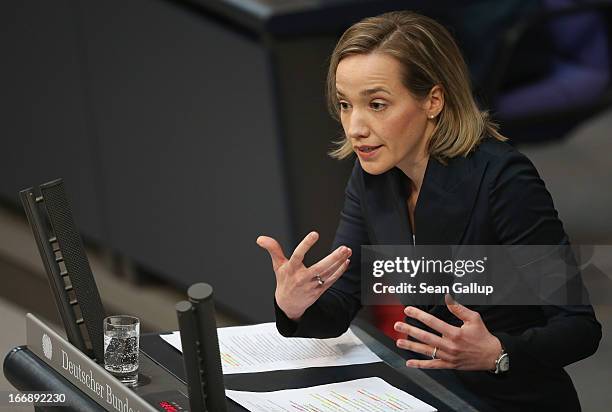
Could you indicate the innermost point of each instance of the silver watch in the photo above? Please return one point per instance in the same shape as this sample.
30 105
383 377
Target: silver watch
502 364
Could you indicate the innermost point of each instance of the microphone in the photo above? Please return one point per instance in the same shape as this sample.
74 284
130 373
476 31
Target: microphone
200 344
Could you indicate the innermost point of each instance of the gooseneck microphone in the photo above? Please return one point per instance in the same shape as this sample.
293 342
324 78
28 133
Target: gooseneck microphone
200 344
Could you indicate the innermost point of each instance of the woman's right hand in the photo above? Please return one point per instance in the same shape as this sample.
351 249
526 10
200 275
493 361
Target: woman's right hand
298 287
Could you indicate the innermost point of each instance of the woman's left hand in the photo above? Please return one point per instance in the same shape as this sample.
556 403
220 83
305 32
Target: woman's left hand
469 347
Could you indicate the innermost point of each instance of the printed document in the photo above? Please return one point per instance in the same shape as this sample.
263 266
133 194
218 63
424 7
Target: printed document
368 394
260 348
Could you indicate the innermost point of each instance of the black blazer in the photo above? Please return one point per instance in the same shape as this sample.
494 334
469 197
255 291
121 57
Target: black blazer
493 196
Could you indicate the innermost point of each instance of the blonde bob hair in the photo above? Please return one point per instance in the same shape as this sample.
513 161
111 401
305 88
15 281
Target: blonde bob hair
428 56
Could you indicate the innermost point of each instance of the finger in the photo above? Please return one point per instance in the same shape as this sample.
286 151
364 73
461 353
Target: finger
338 255
336 275
429 364
327 273
297 257
421 335
310 277
430 320
274 249
459 310
421 348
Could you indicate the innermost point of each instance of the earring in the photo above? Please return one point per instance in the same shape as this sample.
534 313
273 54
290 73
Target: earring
431 116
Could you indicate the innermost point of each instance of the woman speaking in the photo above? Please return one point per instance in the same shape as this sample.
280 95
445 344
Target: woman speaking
432 169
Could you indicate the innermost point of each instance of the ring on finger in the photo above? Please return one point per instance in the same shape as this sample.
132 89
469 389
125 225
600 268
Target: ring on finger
435 351
320 280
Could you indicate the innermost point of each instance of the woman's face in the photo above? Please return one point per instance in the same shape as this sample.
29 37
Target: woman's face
386 125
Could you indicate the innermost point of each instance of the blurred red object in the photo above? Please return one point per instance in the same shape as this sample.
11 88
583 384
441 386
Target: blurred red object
386 316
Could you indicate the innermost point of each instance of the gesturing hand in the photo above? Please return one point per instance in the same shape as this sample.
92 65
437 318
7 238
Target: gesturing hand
469 347
298 287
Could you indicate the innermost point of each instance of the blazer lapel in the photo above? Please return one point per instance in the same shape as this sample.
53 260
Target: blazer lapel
443 208
446 200
386 196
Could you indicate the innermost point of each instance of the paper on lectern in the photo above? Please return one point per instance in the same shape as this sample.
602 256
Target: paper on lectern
368 394
260 348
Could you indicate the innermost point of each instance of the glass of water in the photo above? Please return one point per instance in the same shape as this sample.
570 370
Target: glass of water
121 334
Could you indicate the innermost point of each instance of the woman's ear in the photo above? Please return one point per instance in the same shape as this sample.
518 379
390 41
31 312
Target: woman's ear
435 101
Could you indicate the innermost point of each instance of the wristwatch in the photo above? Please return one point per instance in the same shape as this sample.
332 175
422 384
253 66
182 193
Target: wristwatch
502 364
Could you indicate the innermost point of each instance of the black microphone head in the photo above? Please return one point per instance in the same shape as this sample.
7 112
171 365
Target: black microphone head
200 292
183 306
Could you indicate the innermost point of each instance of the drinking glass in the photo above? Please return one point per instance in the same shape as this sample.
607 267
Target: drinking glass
121 339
